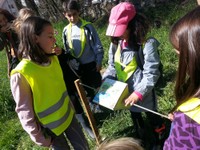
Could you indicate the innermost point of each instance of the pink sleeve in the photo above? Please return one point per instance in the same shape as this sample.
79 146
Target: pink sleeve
24 107
139 95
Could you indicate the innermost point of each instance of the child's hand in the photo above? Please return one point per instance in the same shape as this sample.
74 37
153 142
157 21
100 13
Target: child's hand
171 116
57 50
132 99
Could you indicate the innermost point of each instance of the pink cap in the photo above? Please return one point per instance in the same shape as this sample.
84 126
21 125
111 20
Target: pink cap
120 16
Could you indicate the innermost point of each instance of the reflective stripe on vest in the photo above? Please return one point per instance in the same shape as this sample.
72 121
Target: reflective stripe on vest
82 37
51 102
191 108
124 74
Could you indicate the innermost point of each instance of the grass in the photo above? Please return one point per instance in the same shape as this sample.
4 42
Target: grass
111 124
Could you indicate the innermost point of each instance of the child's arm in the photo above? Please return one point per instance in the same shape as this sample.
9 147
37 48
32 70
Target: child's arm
151 71
24 107
96 45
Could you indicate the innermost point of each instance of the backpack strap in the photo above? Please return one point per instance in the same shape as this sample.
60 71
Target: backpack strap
140 57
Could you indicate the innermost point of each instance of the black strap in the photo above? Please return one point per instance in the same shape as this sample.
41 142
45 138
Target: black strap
140 57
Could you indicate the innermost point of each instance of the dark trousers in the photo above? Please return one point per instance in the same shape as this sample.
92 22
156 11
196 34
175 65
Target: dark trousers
75 136
90 77
69 78
154 120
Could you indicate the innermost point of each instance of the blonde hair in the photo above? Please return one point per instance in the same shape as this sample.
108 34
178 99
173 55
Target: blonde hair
124 143
23 14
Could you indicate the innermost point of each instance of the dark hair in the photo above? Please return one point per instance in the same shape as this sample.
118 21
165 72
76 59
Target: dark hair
28 47
71 5
185 37
138 28
7 14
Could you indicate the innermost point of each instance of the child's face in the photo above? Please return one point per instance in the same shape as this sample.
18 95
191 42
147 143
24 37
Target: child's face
3 20
125 36
72 16
46 39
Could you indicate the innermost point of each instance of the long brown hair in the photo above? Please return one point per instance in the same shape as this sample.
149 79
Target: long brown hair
185 37
28 47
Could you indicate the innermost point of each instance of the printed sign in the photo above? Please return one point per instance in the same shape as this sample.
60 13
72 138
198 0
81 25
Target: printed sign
112 94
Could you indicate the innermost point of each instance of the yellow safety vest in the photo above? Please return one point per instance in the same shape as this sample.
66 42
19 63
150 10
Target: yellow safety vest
82 39
124 71
191 108
50 98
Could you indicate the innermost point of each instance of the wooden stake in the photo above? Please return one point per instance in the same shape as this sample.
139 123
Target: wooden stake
85 103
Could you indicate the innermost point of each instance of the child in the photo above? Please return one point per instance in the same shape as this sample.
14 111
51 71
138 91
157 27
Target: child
185 129
82 42
85 52
42 104
8 39
128 30
124 143
23 14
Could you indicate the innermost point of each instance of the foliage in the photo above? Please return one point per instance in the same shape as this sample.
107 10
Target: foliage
111 124
6 101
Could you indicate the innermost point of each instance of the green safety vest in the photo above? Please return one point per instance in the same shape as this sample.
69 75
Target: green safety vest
191 108
82 39
124 71
50 98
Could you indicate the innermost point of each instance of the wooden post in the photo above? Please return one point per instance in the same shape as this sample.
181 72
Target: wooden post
85 103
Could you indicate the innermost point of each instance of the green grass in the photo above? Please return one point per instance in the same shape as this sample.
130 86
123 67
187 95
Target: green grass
111 124
6 102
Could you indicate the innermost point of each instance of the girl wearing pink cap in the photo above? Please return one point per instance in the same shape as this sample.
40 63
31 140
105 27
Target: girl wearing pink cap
128 34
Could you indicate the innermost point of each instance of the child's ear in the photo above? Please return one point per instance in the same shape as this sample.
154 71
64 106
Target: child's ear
36 38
